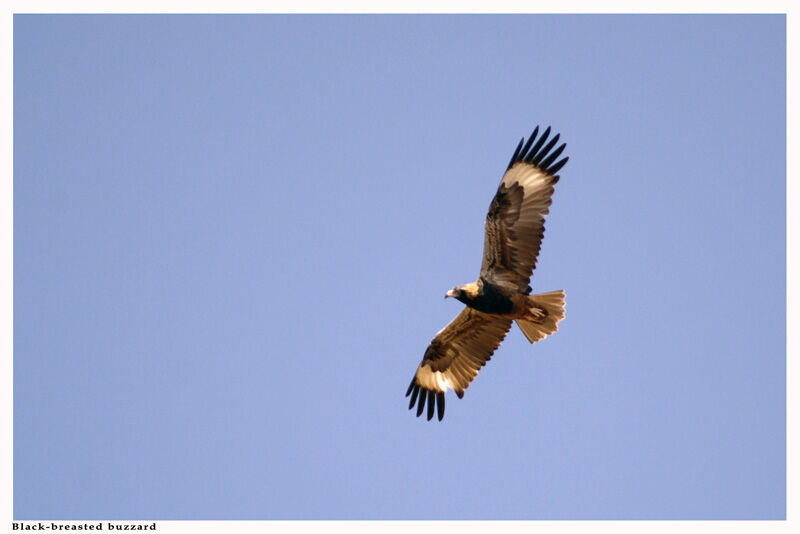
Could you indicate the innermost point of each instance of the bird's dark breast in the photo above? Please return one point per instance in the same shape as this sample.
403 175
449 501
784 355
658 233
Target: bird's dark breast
491 300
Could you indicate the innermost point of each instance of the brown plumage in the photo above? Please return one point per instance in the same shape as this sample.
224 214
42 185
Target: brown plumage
501 295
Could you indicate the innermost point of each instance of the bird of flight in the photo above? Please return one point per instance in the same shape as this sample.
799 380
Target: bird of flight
501 295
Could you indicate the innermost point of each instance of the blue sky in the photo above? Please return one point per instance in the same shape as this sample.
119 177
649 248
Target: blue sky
232 236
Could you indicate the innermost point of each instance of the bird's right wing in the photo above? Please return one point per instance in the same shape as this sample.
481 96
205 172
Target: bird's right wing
515 222
454 357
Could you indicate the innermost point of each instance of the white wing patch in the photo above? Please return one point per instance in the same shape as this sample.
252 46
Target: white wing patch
434 380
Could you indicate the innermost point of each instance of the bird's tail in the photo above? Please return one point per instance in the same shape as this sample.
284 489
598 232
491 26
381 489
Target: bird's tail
546 310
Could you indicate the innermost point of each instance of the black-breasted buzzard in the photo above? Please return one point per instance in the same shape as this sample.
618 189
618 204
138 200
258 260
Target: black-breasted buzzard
501 295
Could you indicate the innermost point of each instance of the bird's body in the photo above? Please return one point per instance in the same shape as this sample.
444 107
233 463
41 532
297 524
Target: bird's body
501 295
485 298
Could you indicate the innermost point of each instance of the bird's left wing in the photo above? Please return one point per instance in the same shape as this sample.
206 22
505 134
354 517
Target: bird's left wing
515 222
453 358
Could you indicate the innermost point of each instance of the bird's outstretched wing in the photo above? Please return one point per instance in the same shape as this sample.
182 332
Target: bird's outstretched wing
453 358
515 222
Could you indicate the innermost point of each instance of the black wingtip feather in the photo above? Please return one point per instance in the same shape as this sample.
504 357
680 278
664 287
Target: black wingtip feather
520 152
557 167
421 404
543 152
413 397
539 155
551 158
529 143
516 153
535 132
421 397
537 146
411 386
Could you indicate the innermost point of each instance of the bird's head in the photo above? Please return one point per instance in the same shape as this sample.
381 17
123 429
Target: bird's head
464 293
455 292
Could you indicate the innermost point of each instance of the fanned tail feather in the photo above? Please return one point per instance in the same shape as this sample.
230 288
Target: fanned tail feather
552 304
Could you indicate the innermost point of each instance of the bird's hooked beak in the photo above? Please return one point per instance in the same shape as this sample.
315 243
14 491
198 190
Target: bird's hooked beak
452 293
